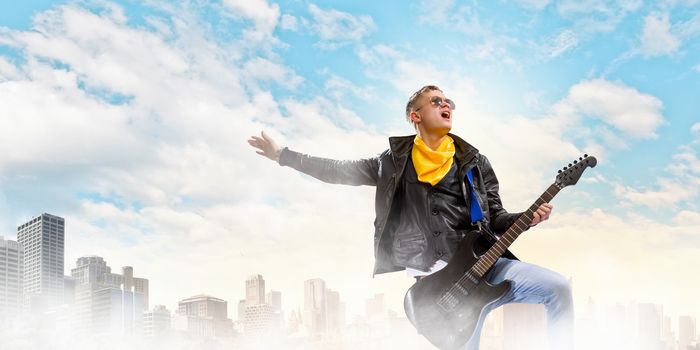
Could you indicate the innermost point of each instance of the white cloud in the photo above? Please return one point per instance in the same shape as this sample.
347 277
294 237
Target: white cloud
669 192
695 129
697 68
8 71
656 38
336 28
263 14
679 185
596 16
436 10
628 110
688 29
565 41
261 69
687 218
338 88
289 22
686 162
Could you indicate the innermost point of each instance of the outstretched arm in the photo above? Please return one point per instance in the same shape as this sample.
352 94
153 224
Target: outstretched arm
347 172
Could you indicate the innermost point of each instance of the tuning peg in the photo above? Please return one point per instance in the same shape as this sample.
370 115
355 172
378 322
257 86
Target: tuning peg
559 172
569 164
580 158
576 161
585 155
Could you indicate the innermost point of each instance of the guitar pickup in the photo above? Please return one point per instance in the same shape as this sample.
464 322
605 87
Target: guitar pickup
448 301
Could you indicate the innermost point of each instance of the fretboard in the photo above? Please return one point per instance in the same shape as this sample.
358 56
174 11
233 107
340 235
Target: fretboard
489 258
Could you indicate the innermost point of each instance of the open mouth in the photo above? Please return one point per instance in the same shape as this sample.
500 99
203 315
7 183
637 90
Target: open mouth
446 114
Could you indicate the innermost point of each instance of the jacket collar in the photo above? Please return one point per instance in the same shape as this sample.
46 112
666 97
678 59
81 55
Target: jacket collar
401 148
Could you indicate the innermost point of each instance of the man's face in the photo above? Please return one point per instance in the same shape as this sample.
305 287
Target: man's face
433 115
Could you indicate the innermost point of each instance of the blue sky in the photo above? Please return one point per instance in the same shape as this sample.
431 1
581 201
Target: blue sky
130 120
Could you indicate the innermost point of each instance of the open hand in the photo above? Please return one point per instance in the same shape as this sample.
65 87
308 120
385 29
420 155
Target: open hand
266 146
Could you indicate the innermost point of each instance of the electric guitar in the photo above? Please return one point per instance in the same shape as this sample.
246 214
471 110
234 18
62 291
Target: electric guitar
445 306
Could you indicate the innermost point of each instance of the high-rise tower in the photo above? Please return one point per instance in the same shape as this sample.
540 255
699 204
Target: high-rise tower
11 279
43 239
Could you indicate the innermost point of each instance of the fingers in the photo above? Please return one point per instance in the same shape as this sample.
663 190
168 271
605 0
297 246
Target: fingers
541 214
257 142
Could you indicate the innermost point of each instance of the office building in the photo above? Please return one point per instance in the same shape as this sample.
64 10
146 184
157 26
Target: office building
43 239
11 279
203 316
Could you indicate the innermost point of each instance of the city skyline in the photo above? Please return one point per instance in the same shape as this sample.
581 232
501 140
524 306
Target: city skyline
253 286
205 316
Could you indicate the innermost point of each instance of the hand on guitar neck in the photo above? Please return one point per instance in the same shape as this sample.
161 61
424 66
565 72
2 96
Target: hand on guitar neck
542 214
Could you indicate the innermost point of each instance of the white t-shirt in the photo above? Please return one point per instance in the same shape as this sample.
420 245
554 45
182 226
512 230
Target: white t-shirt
439 265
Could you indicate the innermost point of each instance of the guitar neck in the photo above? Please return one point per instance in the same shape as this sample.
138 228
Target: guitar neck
523 223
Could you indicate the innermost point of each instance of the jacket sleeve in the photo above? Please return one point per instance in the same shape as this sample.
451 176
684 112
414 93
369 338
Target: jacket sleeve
346 172
500 219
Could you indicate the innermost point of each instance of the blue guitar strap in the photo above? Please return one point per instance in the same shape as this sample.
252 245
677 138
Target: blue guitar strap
476 214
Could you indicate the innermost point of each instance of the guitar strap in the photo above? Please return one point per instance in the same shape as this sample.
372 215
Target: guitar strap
476 215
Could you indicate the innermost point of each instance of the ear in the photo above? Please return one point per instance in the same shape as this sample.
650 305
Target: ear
415 117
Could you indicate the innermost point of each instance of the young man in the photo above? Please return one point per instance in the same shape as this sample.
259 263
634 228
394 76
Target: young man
425 205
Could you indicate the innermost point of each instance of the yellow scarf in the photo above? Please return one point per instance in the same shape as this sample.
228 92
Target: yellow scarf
431 166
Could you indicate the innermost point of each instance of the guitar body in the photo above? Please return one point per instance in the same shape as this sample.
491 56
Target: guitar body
445 312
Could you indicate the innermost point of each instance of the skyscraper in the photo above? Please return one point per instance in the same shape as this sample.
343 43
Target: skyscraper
255 290
274 299
11 279
686 331
141 286
103 303
333 311
135 284
260 318
42 238
156 323
314 317
375 308
650 326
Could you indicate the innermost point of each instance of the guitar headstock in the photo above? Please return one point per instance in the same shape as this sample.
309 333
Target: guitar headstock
571 173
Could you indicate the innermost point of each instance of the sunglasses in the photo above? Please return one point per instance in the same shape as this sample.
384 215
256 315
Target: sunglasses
437 101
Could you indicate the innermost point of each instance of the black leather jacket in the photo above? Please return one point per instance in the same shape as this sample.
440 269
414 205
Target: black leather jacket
386 170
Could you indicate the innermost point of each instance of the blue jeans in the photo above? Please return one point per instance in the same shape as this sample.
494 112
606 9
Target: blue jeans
531 284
